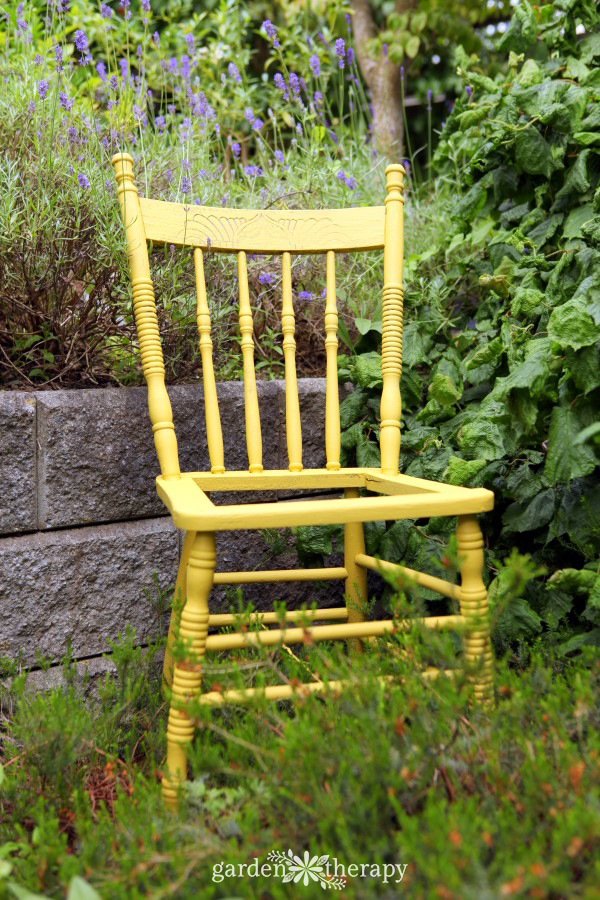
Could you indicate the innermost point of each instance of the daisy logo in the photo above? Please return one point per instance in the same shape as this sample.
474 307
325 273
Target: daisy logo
306 870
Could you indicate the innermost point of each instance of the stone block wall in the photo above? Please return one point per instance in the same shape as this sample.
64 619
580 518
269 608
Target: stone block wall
86 546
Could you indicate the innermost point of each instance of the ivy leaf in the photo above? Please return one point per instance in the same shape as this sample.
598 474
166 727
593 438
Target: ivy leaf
566 459
415 344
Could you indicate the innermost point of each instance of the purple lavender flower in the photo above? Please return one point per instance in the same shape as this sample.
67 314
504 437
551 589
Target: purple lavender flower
265 278
124 66
294 83
101 70
38 59
340 49
249 114
65 102
186 185
217 128
160 122
126 4
156 38
469 91
234 72
106 11
385 54
42 89
348 20
172 66
139 115
271 31
189 39
306 295
81 41
168 176
257 124
58 57
83 181
299 128
318 98
72 135
146 6
185 67
253 171
402 73
113 83
236 149
31 107
350 55
279 157
280 83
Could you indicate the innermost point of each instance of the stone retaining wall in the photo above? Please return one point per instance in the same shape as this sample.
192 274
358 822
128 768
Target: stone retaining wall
85 545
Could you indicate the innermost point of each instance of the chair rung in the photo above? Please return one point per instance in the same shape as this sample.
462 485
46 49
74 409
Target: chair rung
287 691
326 632
428 581
326 574
291 615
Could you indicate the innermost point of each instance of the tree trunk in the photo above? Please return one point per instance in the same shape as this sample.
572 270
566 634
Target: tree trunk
383 81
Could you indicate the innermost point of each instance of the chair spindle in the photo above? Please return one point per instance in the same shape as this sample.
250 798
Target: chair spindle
146 321
391 349
214 433
332 402
253 432
293 427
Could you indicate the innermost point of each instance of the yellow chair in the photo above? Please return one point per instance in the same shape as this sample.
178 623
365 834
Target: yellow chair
393 496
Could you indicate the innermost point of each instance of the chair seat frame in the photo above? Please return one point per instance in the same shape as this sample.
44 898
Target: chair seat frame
369 494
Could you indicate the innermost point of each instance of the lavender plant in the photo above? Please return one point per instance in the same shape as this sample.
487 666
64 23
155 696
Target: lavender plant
83 83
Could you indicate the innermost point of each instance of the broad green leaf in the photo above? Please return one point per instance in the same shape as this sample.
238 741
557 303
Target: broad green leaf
352 408
395 540
565 459
589 435
482 439
367 452
577 182
463 471
22 893
412 46
522 483
533 152
443 389
587 138
545 230
530 515
527 302
81 890
576 218
571 325
415 344
367 370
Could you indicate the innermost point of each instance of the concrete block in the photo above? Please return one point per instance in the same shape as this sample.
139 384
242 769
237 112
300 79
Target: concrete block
96 452
17 462
84 584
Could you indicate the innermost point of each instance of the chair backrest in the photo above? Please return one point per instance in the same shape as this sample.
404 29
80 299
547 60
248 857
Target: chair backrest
270 232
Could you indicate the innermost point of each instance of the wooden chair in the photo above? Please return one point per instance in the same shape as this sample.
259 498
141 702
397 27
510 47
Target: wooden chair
393 496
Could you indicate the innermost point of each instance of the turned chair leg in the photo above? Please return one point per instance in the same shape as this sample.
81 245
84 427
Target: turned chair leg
356 580
178 600
474 607
187 675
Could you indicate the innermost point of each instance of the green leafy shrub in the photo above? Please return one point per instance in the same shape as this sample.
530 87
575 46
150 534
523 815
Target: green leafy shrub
501 378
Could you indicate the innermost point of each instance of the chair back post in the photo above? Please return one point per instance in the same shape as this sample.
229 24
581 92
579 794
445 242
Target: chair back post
391 351
146 321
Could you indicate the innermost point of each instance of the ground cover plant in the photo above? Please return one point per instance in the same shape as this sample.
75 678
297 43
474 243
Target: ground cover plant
474 804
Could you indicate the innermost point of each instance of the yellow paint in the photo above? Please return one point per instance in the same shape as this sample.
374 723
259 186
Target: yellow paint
370 494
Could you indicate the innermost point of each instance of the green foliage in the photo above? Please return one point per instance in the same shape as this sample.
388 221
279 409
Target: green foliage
501 383
471 802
